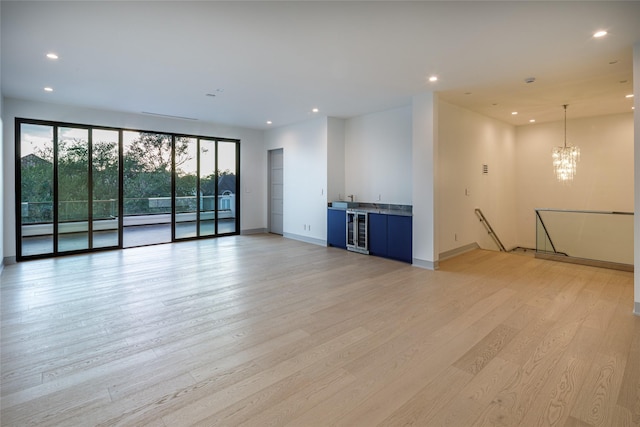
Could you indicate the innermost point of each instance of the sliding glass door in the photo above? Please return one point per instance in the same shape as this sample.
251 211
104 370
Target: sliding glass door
71 164
68 192
36 188
186 167
206 187
82 188
105 188
147 188
227 204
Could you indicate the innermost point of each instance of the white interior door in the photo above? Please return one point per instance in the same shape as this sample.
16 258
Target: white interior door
276 190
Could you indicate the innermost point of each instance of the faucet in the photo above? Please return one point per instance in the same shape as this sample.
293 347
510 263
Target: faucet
350 196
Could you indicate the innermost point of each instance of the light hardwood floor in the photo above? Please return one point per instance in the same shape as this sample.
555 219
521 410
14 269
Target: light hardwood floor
265 331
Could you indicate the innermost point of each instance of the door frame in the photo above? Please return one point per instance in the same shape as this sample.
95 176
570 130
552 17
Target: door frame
269 185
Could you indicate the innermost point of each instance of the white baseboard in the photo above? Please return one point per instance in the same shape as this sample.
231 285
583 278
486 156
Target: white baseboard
306 239
427 265
459 251
253 231
8 260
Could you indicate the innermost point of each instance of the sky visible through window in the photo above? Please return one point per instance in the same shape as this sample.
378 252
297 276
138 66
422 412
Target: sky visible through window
36 139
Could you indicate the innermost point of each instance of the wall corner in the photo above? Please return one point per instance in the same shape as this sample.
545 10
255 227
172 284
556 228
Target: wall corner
424 156
636 155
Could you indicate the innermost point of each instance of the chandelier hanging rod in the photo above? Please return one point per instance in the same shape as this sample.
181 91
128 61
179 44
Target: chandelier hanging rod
565 124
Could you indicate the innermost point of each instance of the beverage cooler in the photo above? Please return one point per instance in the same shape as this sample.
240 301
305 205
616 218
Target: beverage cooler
357 231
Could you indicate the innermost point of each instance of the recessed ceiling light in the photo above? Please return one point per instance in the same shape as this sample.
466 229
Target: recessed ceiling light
514 113
214 93
599 34
315 110
629 96
52 55
269 122
532 120
433 78
48 89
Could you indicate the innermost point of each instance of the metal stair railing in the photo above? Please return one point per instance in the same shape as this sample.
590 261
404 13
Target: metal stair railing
489 229
546 232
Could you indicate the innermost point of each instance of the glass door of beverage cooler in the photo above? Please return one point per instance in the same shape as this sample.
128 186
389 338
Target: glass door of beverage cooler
357 231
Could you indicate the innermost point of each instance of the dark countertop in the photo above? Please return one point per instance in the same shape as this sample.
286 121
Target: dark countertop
380 208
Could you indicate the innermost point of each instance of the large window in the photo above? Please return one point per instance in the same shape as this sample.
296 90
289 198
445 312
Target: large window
84 188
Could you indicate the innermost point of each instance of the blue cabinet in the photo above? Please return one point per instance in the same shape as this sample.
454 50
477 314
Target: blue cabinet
400 238
378 234
390 236
337 228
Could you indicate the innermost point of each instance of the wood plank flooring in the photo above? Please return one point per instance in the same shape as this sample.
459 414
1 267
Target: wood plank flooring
265 331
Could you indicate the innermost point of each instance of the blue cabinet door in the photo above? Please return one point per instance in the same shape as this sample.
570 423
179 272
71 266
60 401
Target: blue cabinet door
400 240
378 234
337 228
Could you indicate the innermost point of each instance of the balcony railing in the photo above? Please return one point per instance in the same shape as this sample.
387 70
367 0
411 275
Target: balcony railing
37 217
77 210
598 238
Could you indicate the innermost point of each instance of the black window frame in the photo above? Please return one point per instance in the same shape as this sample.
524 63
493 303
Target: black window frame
19 121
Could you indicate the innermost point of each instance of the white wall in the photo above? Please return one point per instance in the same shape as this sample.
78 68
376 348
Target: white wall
378 157
2 207
424 176
335 159
305 178
636 103
2 181
467 141
604 179
252 156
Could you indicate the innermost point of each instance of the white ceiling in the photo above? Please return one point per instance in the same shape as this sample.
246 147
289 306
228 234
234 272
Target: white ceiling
278 60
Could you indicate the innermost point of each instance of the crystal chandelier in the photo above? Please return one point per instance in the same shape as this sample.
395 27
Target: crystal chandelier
565 158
